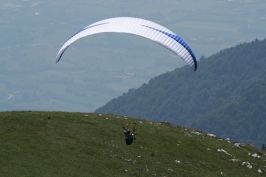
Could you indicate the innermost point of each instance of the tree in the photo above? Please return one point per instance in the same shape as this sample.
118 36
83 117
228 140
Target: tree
263 147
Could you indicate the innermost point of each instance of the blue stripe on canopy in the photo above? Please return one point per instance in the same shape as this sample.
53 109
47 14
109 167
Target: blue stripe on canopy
179 40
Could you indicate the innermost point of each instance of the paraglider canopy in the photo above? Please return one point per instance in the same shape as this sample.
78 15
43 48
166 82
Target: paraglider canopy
140 27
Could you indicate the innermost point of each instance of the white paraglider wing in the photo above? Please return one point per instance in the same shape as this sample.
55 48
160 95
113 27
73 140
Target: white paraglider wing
140 27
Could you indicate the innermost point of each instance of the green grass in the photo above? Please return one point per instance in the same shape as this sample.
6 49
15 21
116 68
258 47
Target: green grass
85 144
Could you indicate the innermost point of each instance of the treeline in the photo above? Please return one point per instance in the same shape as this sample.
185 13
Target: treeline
219 92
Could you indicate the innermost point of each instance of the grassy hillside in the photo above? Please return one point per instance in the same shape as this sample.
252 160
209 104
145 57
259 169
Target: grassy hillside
81 144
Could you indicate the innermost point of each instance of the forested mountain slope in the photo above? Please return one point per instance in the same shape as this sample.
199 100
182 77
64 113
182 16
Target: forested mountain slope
183 97
242 118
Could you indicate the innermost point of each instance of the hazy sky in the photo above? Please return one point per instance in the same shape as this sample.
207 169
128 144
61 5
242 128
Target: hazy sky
102 67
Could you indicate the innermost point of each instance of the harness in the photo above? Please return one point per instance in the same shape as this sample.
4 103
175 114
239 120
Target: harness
129 139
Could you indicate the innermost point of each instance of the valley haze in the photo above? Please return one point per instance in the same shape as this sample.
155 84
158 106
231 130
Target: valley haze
99 68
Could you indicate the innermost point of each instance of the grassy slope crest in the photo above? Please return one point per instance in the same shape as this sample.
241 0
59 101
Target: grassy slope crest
85 144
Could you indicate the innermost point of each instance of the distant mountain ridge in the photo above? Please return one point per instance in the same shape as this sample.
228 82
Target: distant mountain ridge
184 98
